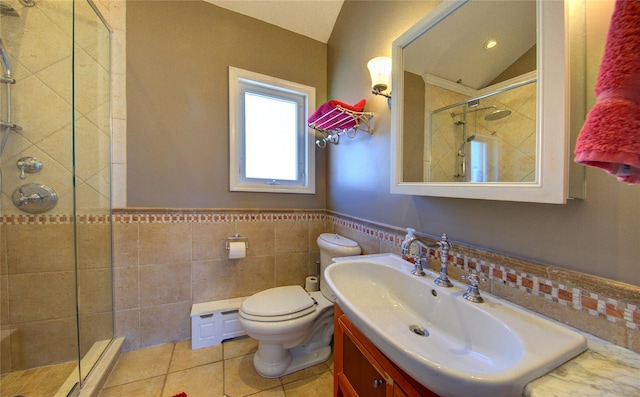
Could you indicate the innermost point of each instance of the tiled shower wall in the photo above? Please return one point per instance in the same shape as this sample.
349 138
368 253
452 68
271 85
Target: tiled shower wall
515 134
167 260
38 311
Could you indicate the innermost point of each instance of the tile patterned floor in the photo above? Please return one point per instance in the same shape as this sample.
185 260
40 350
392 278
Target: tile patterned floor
40 382
227 369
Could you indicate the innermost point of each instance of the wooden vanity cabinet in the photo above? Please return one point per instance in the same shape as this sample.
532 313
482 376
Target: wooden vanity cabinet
360 369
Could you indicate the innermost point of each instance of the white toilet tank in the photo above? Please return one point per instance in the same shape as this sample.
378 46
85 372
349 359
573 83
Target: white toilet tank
333 245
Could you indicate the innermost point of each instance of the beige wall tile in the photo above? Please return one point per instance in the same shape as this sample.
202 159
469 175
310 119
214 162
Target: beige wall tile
93 245
292 237
126 288
5 354
316 228
214 280
209 240
291 269
165 243
41 296
261 235
255 274
127 325
94 291
313 268
93 328
4 299
125 244
31 249
166 283
56 337
165 323
634 340
3 249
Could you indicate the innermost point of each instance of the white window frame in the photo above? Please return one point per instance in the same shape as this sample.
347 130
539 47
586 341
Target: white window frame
306 181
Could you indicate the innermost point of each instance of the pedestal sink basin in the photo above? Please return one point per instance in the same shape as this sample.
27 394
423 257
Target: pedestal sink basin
452 346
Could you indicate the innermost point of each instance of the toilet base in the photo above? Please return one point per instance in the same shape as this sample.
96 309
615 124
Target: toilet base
296 360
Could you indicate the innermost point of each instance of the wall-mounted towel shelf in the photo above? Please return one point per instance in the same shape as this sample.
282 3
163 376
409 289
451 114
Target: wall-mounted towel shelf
332 120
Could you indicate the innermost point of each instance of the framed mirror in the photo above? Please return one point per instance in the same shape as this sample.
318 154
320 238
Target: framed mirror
481 102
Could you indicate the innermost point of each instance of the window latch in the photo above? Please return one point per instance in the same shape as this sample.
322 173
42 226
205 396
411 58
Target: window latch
272 182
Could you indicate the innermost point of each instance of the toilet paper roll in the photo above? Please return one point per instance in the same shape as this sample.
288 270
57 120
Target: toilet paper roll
237 249
311 284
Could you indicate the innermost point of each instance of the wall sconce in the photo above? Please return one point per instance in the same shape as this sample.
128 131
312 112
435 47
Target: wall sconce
380 69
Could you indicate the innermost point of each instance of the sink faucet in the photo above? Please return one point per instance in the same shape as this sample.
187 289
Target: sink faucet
443 278
473 293
444 245
421 259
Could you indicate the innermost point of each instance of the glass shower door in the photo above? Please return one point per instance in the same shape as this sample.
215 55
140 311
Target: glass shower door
92 199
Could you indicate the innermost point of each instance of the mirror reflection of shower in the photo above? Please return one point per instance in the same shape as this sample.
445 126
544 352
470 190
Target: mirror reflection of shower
461 155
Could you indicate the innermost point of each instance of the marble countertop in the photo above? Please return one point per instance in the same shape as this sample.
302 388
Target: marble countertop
604 369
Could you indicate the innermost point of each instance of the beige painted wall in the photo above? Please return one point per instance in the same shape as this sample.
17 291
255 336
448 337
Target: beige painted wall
177 101
599 235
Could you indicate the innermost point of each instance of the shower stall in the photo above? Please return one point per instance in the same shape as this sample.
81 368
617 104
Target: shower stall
56 297
490 139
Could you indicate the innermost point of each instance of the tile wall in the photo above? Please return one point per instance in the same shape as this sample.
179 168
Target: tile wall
38 310
514 135
167 260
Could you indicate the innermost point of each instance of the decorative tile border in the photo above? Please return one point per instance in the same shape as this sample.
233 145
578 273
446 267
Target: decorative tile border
597 304
209 216
581 299
53 219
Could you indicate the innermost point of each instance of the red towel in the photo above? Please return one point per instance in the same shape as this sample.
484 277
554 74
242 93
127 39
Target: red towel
183 394
610 136
327 117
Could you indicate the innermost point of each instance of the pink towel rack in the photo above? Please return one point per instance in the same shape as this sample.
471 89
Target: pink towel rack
340 121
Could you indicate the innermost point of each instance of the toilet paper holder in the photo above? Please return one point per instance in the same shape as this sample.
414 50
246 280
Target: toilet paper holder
236 238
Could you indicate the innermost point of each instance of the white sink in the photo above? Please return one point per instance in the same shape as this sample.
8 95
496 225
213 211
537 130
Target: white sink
490 349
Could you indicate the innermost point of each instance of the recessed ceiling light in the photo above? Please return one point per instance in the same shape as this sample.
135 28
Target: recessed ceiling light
490 44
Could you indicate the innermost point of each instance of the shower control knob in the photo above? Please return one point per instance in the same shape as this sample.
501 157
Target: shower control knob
30 165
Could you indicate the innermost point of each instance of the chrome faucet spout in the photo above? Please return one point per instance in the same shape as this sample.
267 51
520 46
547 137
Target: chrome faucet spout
421 258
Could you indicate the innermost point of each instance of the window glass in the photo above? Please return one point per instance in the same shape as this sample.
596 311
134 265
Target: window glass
271 147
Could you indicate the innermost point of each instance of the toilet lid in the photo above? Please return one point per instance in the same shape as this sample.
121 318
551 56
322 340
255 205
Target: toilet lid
278 301
335 238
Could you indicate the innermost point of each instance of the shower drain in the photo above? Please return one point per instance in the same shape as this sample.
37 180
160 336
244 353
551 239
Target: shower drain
418 330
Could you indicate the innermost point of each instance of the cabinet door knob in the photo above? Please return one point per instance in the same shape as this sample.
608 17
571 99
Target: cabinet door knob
377 383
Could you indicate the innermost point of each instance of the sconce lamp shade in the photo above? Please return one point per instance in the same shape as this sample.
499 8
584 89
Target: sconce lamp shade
380 69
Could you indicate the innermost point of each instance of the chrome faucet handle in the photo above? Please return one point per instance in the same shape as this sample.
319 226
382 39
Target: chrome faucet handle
443 279
418 269
473 292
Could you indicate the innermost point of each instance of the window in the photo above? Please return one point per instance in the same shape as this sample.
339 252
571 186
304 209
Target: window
271 147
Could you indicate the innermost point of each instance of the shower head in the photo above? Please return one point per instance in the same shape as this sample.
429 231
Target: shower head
6 78
6 9
497 114
469 139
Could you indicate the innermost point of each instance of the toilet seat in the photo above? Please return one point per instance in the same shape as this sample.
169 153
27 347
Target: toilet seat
278 304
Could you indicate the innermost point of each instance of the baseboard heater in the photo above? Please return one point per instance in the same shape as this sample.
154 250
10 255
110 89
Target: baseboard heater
214 322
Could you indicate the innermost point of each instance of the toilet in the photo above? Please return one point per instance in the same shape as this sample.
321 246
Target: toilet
294 327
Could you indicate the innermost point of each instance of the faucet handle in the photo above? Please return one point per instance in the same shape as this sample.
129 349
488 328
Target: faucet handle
473 292
473 278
